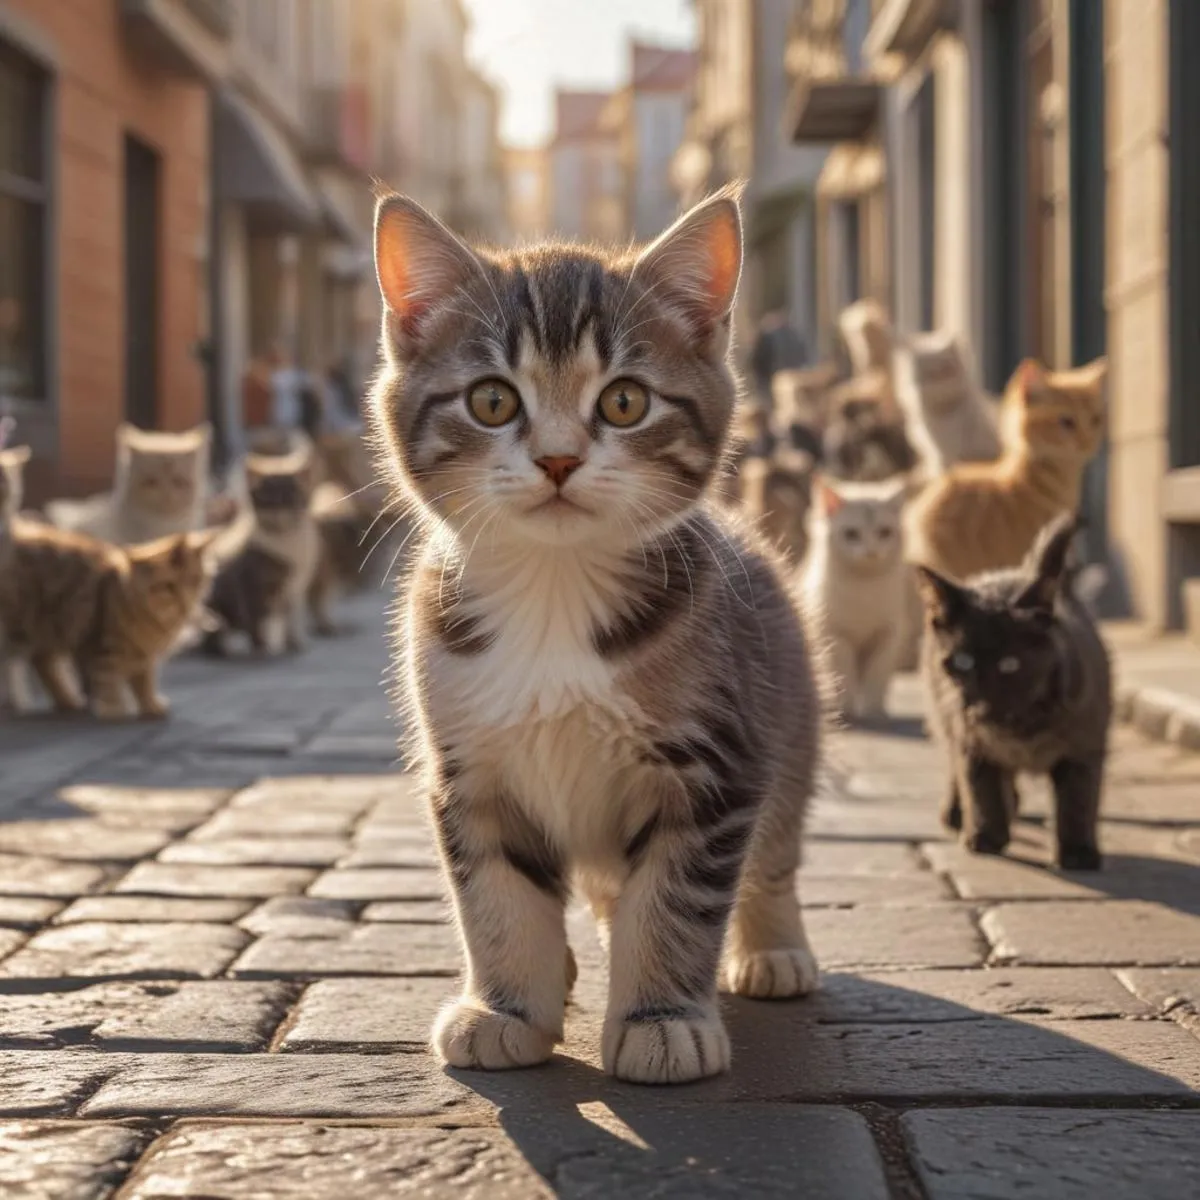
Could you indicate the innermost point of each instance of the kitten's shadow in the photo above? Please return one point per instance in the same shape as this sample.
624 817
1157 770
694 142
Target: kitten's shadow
907 727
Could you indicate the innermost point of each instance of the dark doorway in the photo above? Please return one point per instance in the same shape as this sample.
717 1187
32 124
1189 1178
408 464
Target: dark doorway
926 118
142 170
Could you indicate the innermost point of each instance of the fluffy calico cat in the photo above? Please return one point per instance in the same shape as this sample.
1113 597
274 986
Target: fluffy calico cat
161 488
865 439
1019 680
856 578
983 516
947 418
776 493
608 682
67 599
262 589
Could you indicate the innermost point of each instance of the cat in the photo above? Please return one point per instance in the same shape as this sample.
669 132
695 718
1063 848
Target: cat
161 488
865 439
70 601
947 418
1019 681
776 493
866 332
984 516
855 577
261 588
608 682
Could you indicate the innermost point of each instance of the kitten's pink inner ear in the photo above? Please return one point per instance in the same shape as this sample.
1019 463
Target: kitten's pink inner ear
830 500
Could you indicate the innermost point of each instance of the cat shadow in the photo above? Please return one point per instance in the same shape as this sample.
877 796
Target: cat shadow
906 727
858 1042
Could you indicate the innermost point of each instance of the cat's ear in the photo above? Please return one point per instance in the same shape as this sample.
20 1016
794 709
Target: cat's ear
419 263
1030 381
696 264
1046 564
829 499
944 600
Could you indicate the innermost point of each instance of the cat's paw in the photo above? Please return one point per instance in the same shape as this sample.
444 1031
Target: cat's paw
105 709
985 842
158 708
469 1036
773 974
644 1048
952 818
1079 858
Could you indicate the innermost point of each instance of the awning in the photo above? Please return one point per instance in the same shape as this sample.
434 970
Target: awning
255 166
834 110
851 171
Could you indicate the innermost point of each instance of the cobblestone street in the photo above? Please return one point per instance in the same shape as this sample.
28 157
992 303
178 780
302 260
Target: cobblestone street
222 942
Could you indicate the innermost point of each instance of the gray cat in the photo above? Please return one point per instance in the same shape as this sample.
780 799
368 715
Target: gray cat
1019 680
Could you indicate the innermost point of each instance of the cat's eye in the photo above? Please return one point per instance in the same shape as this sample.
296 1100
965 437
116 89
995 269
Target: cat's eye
852 536
962 661
885 534
623 403
493 402
1010 664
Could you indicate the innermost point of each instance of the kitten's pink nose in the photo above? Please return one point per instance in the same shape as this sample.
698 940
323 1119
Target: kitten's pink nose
559 467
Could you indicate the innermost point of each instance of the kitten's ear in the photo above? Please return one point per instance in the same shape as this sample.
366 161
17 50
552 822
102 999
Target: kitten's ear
1092 375
1030 381
829 499
1047 562
696 264
419 264
944 600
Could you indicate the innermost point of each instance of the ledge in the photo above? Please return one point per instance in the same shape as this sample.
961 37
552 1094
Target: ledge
834 110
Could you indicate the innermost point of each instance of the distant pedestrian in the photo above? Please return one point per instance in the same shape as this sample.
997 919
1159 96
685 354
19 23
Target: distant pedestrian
778 347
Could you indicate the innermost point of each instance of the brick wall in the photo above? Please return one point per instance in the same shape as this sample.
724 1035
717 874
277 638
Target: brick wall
105 89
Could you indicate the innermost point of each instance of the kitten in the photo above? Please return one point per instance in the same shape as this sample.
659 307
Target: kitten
161 488
947 418
855 576
865 439
776 493
262 589
983 516
67 599
1019 680
608 681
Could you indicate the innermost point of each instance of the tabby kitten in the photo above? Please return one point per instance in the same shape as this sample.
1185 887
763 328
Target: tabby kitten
67 599
947 418
1019 680
776 493
608 682
856 578
262 589
984 516
161 488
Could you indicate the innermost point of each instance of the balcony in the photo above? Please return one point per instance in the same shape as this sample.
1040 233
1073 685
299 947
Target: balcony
188 37
829 103
337 127
905 27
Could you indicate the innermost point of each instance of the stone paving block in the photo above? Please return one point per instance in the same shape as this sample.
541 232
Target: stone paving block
941 936
270 822
419 912
858 858
185 879
380 883
301 917
1069 1154
357 747
10 939
214 1016
99 949
352 794
81 840
377 1014
174 809
1173 991
27 912
379 949
844 891
1120 933
30 875
36 1084
988 877
1154 803
259 851
279 1085
152 909
1058 993
380 851
51 1160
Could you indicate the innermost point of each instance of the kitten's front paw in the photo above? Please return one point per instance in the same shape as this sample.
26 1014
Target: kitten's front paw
773 974
985 842
952 817
156 709
468 1036
110 710
645 1048
1079 858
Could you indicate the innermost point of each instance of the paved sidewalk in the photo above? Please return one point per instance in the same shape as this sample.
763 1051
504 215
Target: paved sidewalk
222 942
1158 684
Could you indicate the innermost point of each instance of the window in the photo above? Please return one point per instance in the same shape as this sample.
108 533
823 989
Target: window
23 197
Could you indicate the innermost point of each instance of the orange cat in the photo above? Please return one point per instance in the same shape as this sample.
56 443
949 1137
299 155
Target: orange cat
984 516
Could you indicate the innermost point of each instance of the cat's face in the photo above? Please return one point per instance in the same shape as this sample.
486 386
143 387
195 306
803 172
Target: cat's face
163 473
280 491
555 395
172 574
861 522
12 480
1058 414
938 370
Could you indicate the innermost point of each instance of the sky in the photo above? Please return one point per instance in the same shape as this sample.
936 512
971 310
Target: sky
531 46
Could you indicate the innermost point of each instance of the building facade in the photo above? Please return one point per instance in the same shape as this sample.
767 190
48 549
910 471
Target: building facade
586 181
527 192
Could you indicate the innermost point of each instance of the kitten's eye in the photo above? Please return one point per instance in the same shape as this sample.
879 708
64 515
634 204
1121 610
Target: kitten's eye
885 534
493 402
852 536
1068 423
623 403
962 661
1009 665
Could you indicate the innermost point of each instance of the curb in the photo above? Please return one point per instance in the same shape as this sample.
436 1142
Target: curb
1160 714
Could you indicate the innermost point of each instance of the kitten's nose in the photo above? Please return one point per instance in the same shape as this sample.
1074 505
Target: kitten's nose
559 467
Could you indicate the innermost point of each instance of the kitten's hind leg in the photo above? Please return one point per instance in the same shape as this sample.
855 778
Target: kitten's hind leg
109 696
58 676
509 892
150 701
1077 788
20 690
985 789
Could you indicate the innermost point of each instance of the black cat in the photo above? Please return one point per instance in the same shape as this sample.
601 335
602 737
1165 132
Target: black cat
1019 680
